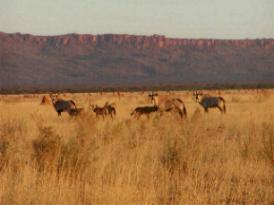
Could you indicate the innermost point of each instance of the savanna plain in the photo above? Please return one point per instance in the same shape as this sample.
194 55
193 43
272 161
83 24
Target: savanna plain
208 158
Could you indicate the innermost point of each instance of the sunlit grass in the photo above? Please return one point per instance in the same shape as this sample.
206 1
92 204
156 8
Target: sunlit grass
206 159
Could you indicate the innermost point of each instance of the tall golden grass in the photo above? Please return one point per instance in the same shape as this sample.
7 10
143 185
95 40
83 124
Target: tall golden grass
206 159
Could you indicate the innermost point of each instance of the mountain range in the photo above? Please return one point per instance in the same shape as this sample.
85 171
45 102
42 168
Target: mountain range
84 62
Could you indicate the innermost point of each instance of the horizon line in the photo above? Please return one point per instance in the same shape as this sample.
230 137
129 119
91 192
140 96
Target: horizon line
144 35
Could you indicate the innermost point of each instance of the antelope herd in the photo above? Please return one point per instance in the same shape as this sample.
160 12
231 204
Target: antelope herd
107 109
159 104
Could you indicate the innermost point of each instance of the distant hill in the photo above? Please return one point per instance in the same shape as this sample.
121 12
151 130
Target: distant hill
83 62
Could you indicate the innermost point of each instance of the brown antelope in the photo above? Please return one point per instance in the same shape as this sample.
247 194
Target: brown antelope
146 110
61 105
208 101
99 111
166 104
75 112
110 108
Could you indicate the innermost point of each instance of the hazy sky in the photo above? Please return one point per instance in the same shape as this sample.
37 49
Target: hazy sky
173 18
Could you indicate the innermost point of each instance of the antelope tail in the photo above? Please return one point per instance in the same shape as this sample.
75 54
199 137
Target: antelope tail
222 99
224 107
184 111
72 102
132 113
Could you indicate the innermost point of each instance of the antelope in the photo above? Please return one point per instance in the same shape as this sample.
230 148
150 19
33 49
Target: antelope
208 101
75 111
99 110
110 109
146 110
61 105
167 104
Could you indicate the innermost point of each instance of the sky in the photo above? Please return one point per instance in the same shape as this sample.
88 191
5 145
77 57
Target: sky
222 19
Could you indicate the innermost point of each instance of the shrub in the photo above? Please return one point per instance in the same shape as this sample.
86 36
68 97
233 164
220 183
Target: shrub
46 149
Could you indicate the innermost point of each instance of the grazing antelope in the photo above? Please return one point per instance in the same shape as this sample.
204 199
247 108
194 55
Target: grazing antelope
207 102
99 111
75 112
166 104
110 108
146 110
61 105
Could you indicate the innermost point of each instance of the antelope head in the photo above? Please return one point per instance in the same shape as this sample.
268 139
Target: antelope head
53 97
196 95
153 98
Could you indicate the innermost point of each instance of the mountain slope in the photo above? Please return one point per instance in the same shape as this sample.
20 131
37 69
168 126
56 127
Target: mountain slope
75 61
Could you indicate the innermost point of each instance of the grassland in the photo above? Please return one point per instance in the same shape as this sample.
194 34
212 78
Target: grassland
206 159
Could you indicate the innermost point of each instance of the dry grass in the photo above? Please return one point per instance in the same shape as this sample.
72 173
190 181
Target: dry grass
206 159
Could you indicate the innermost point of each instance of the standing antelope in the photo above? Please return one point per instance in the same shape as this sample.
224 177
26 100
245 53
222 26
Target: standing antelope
110 108
166 104
210 102
146 110
99 110
61 105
